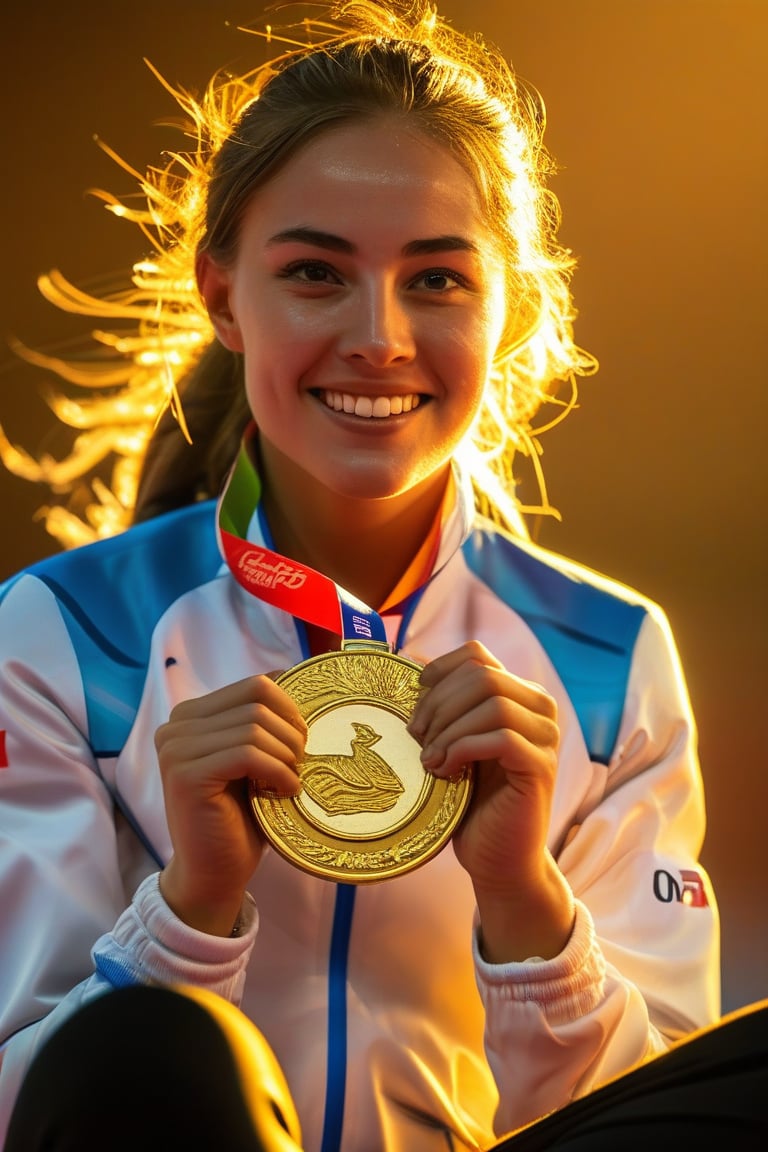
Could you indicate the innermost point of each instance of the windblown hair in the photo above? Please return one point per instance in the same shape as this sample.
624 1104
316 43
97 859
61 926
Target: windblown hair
367 60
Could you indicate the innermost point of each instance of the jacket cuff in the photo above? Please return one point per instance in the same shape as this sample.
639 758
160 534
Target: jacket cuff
149 944
565 988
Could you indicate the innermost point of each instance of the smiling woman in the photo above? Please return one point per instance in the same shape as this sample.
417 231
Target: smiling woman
506 207
321 743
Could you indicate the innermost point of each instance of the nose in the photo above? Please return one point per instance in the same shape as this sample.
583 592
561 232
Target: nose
379 328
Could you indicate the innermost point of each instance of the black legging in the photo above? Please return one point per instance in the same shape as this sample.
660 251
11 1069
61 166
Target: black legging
146 1068
710 1090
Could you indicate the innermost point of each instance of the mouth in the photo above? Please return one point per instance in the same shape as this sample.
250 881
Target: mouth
370 407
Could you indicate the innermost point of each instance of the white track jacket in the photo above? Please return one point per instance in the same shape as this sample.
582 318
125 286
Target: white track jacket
392 1031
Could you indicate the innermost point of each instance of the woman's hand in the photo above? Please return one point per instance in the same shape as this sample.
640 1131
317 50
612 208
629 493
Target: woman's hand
207 750
474 712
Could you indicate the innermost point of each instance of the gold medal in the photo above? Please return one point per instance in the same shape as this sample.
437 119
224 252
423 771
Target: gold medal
367 810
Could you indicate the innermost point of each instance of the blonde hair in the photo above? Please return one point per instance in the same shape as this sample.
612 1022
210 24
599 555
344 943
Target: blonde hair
172 405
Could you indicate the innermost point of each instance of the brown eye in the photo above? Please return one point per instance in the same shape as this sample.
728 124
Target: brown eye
310 272
439 280
317 273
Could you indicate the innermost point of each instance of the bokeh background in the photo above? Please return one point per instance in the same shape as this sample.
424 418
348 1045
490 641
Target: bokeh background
658 117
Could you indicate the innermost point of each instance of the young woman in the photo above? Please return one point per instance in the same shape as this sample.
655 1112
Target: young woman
323 735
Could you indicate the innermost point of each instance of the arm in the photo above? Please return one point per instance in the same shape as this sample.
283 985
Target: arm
60 885
69 931
636 970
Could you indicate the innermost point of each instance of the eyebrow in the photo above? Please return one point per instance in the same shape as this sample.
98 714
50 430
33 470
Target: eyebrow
333 243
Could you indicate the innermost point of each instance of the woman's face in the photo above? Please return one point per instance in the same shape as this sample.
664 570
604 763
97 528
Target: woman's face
367 298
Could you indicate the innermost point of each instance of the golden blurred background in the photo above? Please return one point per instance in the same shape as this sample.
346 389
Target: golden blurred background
658 117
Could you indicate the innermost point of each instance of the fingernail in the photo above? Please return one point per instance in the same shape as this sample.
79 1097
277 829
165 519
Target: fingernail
432 757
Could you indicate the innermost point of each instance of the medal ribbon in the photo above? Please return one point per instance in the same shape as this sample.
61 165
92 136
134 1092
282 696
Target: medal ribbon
286 584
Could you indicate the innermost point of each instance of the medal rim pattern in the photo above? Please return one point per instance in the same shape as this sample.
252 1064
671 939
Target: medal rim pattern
359 860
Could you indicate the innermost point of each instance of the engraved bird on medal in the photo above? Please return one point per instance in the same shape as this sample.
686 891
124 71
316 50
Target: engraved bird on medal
360 782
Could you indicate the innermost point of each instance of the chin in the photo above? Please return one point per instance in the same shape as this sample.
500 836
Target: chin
370 484
368 488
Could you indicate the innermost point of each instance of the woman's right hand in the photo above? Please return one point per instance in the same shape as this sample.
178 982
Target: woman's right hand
208 749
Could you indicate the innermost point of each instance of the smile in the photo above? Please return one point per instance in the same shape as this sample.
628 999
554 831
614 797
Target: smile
370 407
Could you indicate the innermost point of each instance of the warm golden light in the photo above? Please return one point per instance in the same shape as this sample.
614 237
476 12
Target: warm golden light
134 371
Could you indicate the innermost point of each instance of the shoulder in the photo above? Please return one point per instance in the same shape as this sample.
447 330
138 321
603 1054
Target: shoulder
549 589
175 548
588 624
122 584
105 599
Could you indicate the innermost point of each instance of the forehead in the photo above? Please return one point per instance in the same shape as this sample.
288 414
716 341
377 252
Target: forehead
380 174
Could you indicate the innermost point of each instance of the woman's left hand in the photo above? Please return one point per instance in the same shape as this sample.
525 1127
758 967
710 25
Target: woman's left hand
475 713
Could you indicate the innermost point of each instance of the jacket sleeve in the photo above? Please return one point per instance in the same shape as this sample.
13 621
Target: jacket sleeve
642 966
70 930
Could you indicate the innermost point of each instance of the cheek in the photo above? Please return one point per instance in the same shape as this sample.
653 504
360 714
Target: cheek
468 356
280 329
276 369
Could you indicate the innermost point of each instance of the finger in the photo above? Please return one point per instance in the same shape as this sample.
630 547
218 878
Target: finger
206 771
189 746
254 719
471 681
518 736
251 690
471 652
468 687
520 760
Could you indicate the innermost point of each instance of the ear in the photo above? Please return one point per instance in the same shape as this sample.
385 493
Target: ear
213 282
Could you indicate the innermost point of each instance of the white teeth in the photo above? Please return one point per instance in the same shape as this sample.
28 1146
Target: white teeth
378 407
